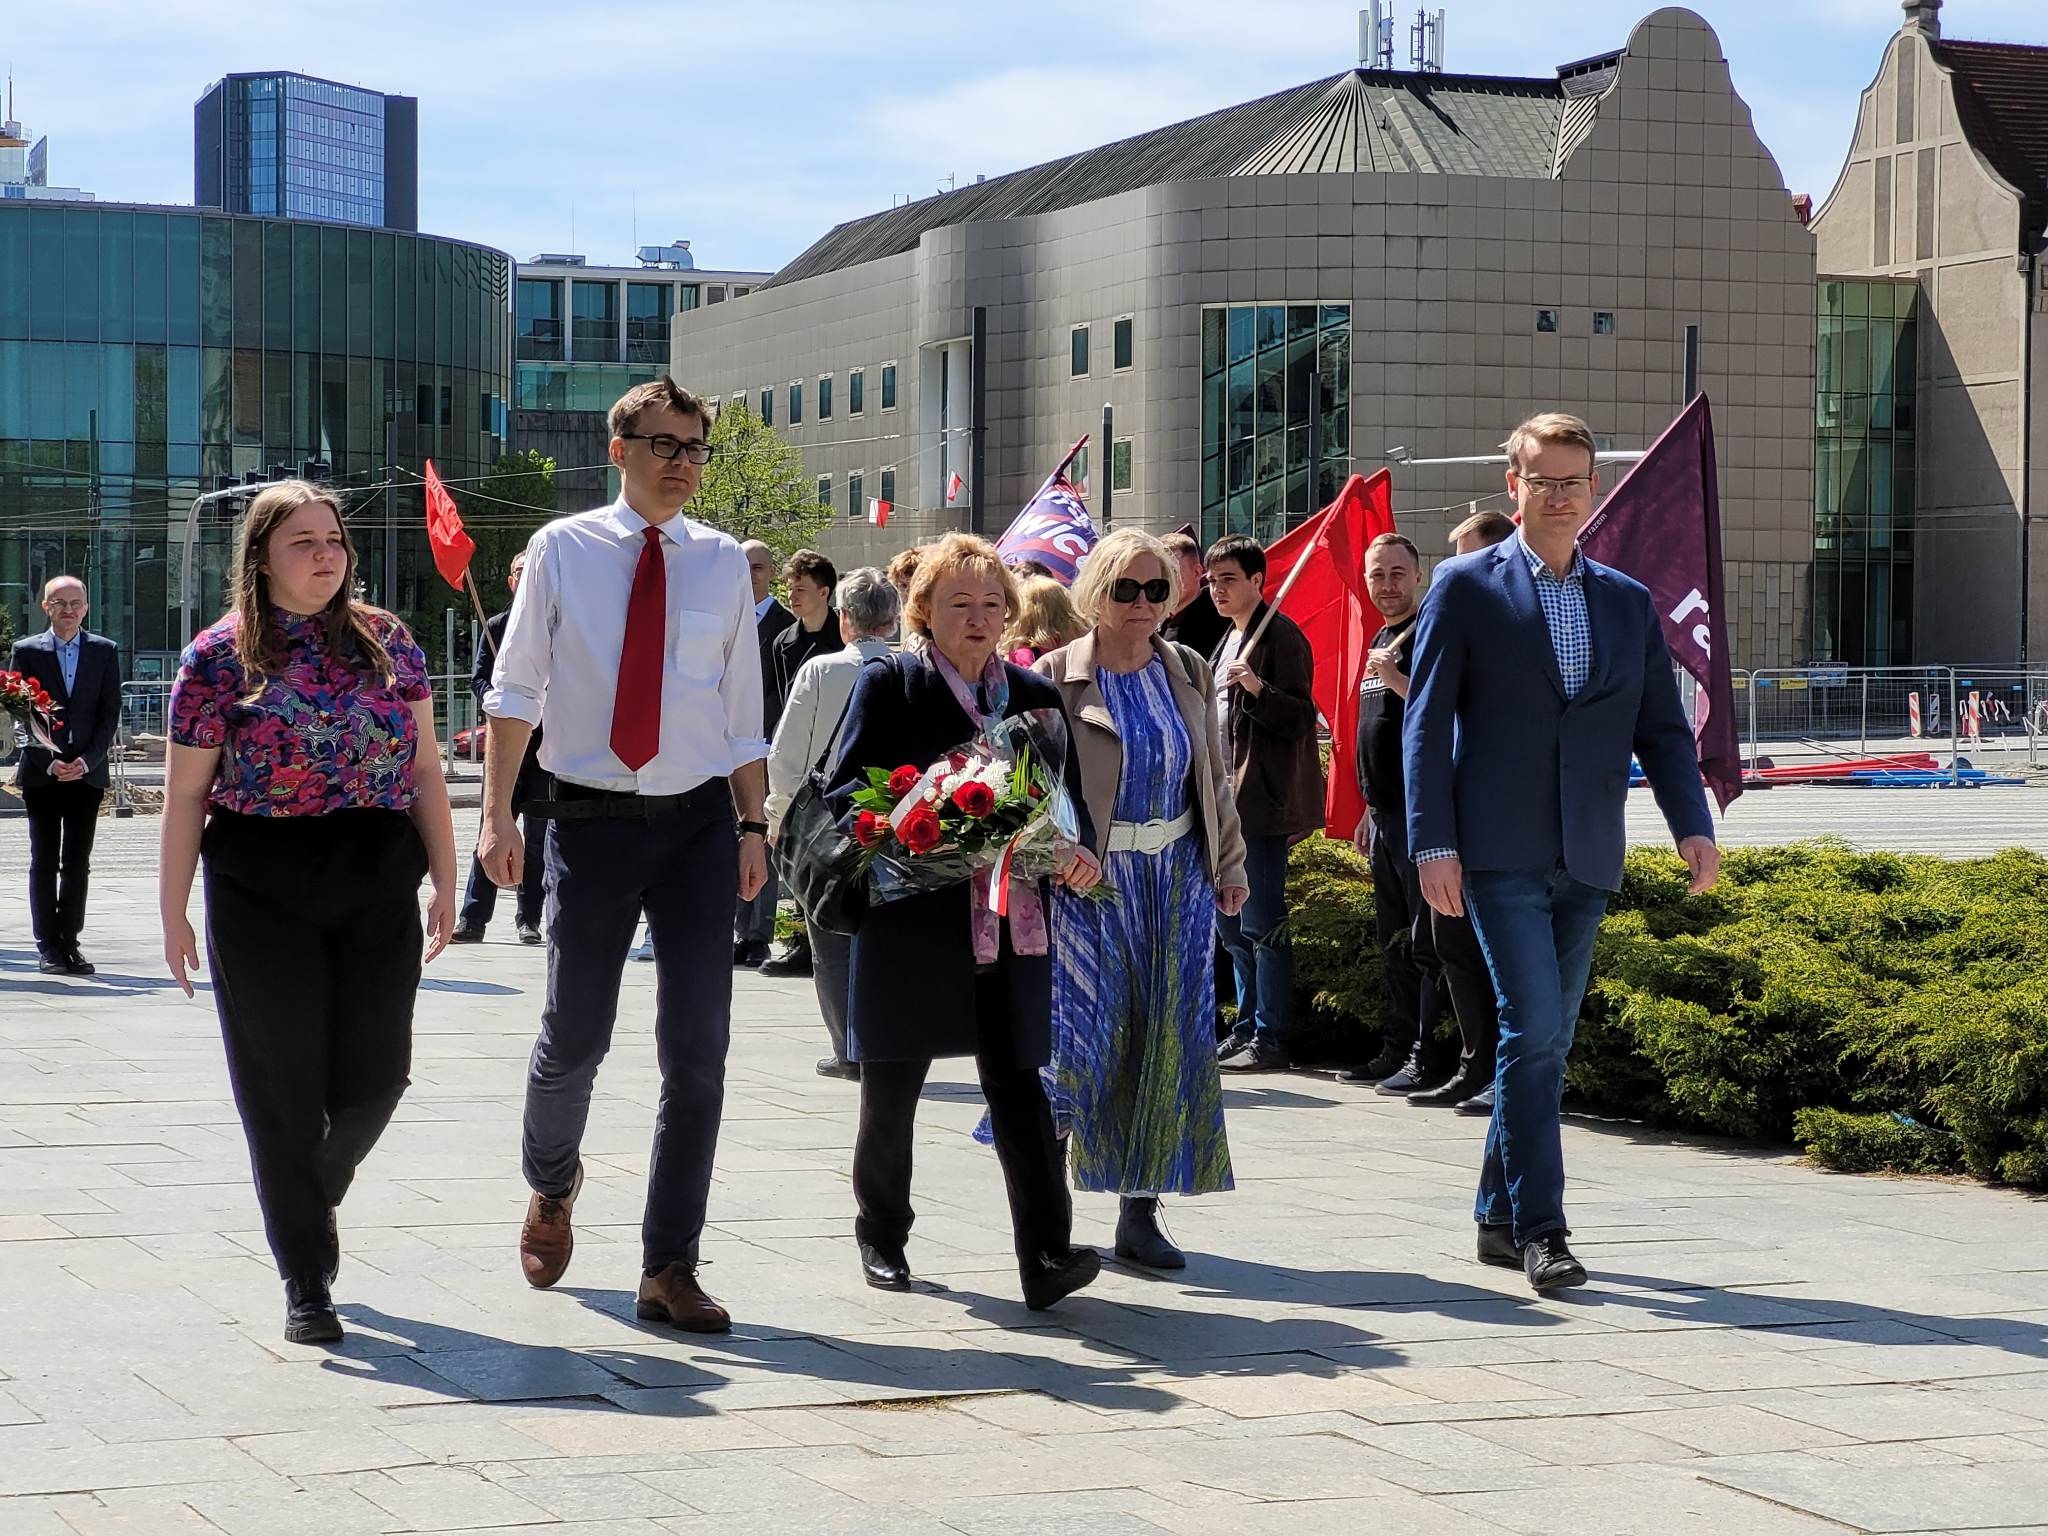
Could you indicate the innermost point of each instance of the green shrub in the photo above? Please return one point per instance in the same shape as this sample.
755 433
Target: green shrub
1855 1143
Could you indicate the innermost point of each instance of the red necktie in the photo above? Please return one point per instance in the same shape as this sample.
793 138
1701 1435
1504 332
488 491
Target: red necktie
636 708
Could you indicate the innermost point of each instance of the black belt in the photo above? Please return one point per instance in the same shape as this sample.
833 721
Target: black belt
575 802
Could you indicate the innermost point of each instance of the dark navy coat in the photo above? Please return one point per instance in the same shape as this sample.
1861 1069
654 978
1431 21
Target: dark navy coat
1499 765
912 991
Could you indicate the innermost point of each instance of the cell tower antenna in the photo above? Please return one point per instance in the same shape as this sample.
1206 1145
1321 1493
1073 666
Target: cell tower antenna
1426 43
1376 36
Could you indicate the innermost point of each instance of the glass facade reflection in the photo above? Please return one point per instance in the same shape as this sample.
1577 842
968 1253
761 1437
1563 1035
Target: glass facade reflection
1258 361
1864 410
150 354
291 146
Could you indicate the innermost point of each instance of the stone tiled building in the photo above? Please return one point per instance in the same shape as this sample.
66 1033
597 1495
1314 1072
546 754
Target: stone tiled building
1934 453
1274 295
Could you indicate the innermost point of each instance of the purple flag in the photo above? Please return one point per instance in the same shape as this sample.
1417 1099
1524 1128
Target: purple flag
1662 525
1054 529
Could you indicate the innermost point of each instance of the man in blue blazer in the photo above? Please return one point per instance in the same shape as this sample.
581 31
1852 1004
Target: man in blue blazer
1537 672
62 789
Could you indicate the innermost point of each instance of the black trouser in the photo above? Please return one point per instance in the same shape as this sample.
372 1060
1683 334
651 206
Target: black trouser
680 866
831 971
1033 1162
1415 997
480 900
313 935
1470 985
61 821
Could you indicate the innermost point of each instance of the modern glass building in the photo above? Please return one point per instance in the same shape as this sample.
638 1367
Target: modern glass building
293 147
1864 413
1276 431
148 354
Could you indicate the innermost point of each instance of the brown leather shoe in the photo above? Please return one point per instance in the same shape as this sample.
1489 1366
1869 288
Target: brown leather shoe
546 1239
672 1295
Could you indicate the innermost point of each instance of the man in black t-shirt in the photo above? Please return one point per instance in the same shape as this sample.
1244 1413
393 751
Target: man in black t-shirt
1198 625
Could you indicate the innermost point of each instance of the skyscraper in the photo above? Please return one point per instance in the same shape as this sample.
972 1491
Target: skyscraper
295 147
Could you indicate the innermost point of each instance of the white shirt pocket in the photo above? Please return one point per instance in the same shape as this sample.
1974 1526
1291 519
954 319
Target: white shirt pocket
697 649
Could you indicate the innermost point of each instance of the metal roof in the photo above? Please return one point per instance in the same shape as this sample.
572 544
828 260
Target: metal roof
1360 120
2002 99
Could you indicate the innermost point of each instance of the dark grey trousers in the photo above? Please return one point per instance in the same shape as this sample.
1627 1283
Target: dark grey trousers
831 967
680 867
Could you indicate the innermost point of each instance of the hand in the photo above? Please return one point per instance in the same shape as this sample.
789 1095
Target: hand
440 919
1384 663
1240 674
1703 858
181 951
1362 838
1230 899
65 772
1443 885
753 864
501 851
1080 872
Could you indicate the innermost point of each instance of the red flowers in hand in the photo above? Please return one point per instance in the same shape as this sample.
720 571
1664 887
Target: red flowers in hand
920 830
904 780
869 829
975 799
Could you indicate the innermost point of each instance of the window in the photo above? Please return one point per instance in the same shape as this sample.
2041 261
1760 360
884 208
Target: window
740 292
1077 471
1120 464
824 397
715 294
1122 343
1546 319
889 486
423 414
1078 366
888 386
825 492
1258 361
855 506
856 392
594 327
647 312
796 403
1603 322
767 407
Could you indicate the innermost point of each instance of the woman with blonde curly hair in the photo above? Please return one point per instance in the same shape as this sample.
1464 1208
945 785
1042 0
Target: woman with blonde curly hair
303 777
1045 621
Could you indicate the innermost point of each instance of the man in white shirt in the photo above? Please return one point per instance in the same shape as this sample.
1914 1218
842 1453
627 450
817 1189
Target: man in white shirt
633 632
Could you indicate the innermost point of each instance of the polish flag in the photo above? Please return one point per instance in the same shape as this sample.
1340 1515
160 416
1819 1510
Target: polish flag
954 486
878 512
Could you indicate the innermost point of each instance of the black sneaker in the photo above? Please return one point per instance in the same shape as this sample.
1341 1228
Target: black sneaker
467 932
51 964
309 1313
1378 1070
1259 1056
1239 1039
1412 1076
529 933
1549 1263
75 964
1049 1277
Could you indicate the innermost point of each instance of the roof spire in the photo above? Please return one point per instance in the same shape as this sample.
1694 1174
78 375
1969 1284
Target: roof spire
1923 16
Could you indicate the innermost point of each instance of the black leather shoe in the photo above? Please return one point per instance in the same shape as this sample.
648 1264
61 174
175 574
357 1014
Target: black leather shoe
793 961
746 956
886 1269
1481 1103
1259 1056
309 1313
1459 1087
467 933
51 964
1140 1238
1239 1039
1549 1264
75 964
529 933
1497 1246
832 1066
1051 1276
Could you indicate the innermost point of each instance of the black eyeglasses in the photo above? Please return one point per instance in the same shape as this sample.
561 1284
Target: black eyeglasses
662 446
1125 589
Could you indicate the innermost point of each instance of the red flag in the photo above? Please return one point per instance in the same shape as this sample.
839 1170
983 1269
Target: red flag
452 547
1328 600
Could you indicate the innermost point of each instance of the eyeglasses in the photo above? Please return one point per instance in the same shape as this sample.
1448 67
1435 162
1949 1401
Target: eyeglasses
66 603
662 446
1125 589
1542 486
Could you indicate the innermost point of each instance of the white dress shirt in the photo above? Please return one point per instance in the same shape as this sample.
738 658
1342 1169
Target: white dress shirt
814 713
560 654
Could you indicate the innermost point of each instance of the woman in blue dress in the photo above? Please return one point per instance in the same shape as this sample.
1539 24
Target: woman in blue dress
1134 978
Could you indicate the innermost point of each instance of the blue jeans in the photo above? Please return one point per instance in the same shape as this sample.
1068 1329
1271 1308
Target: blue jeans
1537 932
1261 953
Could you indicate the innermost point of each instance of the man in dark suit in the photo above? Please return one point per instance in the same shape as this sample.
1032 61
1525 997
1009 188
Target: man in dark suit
753 928
1198 625
809 578
480 901
62 789
1537 672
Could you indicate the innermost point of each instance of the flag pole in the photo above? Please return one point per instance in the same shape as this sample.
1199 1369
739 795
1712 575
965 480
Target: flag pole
1273 603
476 601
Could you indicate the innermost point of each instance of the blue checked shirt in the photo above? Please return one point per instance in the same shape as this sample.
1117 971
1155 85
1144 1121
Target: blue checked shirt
1571 634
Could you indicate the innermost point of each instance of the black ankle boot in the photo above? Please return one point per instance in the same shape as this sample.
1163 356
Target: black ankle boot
309 1313
1140 1238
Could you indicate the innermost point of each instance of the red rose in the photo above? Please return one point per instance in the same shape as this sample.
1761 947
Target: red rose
921 831
904 780
975 798
869 829
956 760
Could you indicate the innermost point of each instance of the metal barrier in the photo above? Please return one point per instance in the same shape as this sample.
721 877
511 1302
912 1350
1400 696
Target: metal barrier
1990 718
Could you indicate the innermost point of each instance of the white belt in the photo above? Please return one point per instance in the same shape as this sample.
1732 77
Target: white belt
1148 836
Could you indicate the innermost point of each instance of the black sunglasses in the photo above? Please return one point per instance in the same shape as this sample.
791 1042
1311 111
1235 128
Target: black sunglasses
662 446
1125 589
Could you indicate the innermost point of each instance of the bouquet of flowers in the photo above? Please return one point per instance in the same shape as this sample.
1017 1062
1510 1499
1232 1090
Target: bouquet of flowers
997 807
30 707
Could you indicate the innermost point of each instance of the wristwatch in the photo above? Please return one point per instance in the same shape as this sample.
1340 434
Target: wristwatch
758 828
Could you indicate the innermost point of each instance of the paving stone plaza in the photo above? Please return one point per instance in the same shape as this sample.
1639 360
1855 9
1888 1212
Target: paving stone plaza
1764 1348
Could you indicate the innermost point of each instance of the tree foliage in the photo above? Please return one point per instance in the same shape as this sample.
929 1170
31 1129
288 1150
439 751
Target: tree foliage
526 481
755 486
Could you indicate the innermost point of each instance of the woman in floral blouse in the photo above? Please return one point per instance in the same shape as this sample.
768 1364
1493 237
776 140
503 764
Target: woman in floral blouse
304 778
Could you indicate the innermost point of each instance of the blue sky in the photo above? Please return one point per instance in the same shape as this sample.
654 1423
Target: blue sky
751 128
